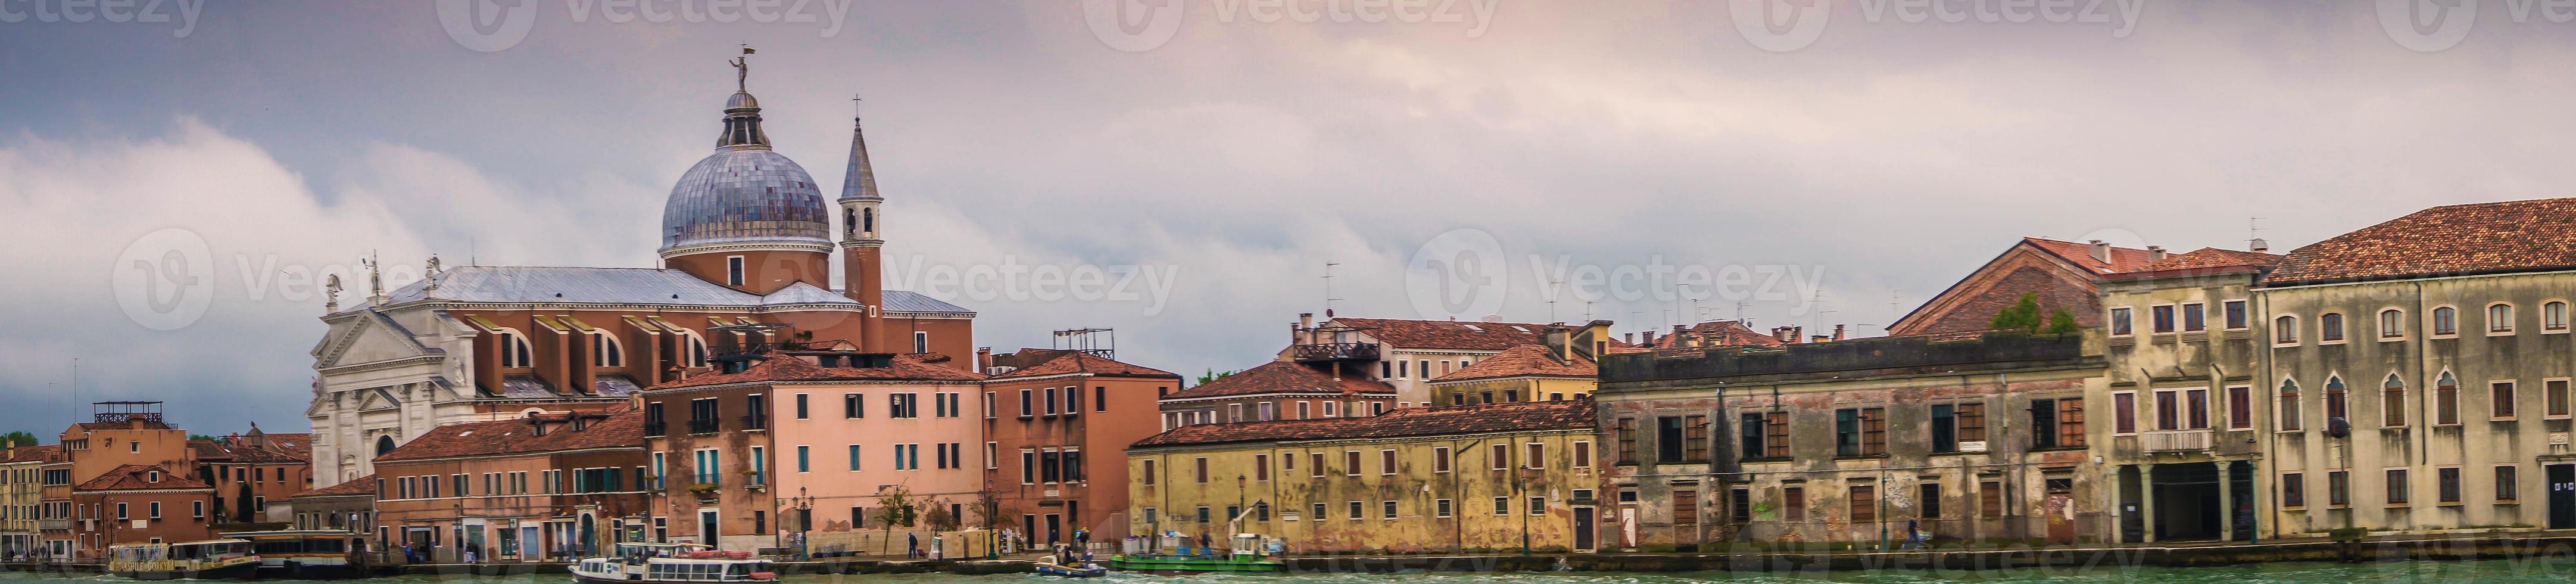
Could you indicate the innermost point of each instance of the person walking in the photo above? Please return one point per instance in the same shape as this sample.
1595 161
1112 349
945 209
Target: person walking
913 542
1913 534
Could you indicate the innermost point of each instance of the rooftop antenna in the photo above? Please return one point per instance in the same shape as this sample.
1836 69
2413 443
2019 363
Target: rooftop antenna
1328 289
75 387
1551 299
1587 311
2254 235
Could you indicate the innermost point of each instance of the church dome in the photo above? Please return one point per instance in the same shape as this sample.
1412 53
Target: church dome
745 195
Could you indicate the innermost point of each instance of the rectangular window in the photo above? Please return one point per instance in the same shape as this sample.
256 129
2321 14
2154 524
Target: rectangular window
2554 392
1502 505
733 270
2120 322
1749 429
1386 509
2505 484
1972 423
800 407
1358 510
1202 470
2235 313
1928 500
854 406
1627 434
1793 504
2446 404
2501 396
854 457
2162 317
2070 419
1945 428
1668 439
1582 454
2396 486
1315 465
1386 462
1694 440
1501 455
1847 432
1351 463
802 462
1440 459
2240 407
1873 431
2338 488
1148 478
2294 490
1864 503
1440 508
1990 498
2124 411
1538 506
1536 457
2194 318
2448 483
920 342
2392 406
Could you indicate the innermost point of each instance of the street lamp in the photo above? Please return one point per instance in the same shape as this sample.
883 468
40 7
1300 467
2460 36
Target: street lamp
804 524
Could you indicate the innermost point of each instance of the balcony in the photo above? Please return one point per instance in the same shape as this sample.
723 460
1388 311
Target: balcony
2177 440
755 422
706 426
54 524
1336 352
655 428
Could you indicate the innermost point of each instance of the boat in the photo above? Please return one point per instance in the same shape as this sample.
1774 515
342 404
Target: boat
320 554
674 563
213 559
1249 553
1082 571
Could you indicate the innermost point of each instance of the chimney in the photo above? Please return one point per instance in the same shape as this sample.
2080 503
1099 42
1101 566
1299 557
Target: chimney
1838 332
1598 333
2155 253
2101 251
1629 338
1559 344
2258 244
983 359
1648 336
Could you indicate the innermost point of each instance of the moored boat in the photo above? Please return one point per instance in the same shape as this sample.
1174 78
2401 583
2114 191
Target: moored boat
214 559
674 563
1249 554
321 554
1081 571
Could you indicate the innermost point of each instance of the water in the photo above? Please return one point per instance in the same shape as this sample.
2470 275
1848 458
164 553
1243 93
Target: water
2550 569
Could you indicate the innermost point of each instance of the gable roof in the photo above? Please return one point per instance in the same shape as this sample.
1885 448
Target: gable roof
1524 361
365 485
1447 334
2066 276
1718 333
137 477
234 449
47 453
2123 259
1081 362
1282 377
2479 238
1573 414
519 436
2211 257
779 366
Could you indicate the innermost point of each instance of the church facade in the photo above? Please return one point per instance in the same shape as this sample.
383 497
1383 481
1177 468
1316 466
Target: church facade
747 246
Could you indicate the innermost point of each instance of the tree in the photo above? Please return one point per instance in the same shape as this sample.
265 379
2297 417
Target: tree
21 438
896 510
194 437
939 519
2021 316
1213 375
2061 322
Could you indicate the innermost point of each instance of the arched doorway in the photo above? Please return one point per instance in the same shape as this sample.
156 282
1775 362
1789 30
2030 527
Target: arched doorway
384 444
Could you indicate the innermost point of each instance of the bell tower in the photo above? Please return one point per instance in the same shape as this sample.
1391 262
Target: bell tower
861 247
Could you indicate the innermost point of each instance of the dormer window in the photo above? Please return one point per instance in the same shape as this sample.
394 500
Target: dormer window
733 270
515 352
605 351
152 477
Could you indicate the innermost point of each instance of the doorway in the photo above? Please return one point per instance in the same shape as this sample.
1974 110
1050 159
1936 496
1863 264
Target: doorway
707 533
1584 532
2562 496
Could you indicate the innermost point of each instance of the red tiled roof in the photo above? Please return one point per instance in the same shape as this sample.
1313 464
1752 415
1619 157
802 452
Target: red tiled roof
48 452
519 436
1447 334
1718 333
136 477
1524 361
2511 236
1081 362
1975 314
784 367
1282 377
2211 257
1402 422
2123 259
238 449
365 485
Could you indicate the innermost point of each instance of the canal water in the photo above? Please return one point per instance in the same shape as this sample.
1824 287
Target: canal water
2554 569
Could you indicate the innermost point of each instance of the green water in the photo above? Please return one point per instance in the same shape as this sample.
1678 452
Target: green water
2555 569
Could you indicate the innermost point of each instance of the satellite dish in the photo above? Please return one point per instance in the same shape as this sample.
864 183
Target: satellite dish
2338 428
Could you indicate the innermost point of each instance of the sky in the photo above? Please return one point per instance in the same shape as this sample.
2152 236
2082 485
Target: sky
177 176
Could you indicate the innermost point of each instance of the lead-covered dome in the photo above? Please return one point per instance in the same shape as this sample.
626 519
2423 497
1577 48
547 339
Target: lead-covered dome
745 195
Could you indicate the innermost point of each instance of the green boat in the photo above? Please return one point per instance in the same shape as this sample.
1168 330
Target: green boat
1246 556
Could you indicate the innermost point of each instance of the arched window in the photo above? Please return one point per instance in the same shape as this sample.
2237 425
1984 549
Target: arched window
605 351
2553 316
2285 330
2392 324
2446 399
868 220
2499 318
384 444
2392 401
2334 398
696 355
849 221
2329 327
514 350
2446 321
2289 404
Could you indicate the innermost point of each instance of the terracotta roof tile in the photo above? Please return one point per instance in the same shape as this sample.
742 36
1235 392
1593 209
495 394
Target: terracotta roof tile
365 485
1447 334
1402 422
2211 257
519 436
2123 259
1718 333
2511 236
48 452
236 450
1524 361
1282 377
1081 362
784 367
135 477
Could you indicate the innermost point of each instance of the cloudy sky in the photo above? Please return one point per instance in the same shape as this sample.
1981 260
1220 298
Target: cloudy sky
1467 158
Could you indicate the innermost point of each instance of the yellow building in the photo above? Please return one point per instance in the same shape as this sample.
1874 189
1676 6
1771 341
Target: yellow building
1525 373
21 493
1461 479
